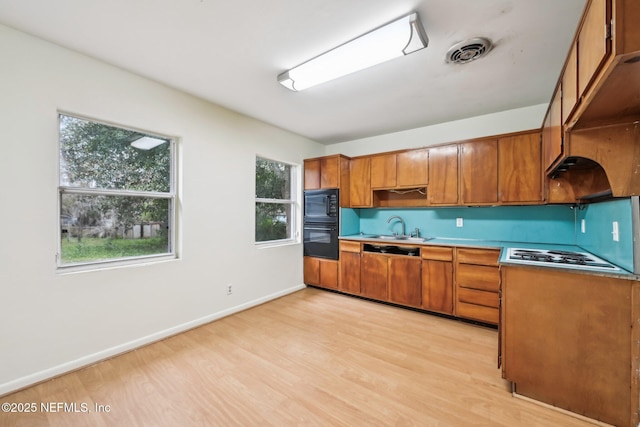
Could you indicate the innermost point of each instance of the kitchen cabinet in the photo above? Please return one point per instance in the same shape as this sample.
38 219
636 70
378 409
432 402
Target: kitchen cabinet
570 339
349 267
328 172
477 280
479 172
405 280
593 42
519 169
394 278
437 279
412 168
552 132
569 84
360 182
321 272
374 276
383 171
443 175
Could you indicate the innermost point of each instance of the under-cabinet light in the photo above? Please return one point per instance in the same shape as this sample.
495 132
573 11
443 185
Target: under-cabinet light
398 38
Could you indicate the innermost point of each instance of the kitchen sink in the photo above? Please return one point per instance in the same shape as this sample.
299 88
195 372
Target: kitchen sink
404 238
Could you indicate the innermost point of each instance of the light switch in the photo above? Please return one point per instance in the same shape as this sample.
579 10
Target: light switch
583 226
615 232
459 222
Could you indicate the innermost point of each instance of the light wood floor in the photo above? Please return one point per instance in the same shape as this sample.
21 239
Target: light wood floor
313 358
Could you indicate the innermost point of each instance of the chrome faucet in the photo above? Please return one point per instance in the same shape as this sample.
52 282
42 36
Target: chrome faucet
401 220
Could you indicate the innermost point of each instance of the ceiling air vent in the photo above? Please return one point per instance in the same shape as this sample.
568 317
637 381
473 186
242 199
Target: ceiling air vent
468 50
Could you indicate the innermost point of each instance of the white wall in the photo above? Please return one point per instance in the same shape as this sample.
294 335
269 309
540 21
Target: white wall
51 323
476 127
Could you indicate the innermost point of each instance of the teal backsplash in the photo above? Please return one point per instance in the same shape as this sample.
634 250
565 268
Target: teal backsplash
535 224
598 238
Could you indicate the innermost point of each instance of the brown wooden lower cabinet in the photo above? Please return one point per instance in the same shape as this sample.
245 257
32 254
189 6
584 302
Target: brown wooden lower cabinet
572 340
477 280
321 272
349 267
437 279
404 280
374 275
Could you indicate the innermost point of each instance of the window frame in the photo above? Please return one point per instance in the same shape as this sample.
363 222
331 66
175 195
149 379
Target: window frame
293 202
171 196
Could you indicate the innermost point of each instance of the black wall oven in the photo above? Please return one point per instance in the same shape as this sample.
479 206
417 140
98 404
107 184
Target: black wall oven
321 223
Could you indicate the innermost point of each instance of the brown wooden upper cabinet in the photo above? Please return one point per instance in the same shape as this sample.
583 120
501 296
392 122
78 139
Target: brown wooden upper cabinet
360 182
519 168
383 171
412 168
479 172
552 131
403 169
443 175
326 172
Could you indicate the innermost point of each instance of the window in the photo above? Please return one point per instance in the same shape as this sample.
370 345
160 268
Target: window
276 206
116 193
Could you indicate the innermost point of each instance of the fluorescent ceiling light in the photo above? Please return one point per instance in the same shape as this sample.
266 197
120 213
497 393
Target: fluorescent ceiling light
147 143
398 38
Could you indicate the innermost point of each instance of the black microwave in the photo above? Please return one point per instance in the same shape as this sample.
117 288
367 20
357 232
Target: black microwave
321 206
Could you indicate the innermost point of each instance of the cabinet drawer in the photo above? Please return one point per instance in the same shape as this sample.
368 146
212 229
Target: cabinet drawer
473 296
437 253
477 312
478 256
349 246
478 277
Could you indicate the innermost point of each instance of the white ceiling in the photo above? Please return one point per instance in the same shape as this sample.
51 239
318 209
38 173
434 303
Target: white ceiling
230 52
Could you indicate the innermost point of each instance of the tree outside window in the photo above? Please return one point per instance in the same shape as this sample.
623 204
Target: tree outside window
275 201
116 193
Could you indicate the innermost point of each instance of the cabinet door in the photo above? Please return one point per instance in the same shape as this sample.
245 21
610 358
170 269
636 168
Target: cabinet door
329 273
360 182
405 281
349 272
383 171
479 171
311 272
570 84
443 175
312 174
520 171
552 132
412 168
374 275
437 286
593 45
330 172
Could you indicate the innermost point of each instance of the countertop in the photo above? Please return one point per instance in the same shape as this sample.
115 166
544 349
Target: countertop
503 245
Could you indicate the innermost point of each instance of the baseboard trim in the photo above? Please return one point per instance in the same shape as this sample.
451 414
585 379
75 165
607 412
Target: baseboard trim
82 362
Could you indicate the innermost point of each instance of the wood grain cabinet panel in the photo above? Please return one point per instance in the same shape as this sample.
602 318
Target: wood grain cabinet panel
593 44
383 171
437 286
552 133
374 276
312 174
321 272
477 284
570 84
479 171
443 175
412 168
574 347
405 280
330 172
360 182
349 272
520 169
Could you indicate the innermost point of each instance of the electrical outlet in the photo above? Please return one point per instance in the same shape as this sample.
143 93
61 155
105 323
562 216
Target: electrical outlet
229 289
616 232
583 226
459 222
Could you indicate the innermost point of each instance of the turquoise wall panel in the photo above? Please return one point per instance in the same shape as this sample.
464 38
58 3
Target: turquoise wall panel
533 224
598 238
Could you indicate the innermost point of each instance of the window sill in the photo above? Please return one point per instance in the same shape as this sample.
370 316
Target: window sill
276 243
110 265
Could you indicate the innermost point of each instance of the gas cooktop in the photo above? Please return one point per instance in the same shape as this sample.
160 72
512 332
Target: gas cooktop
557 258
